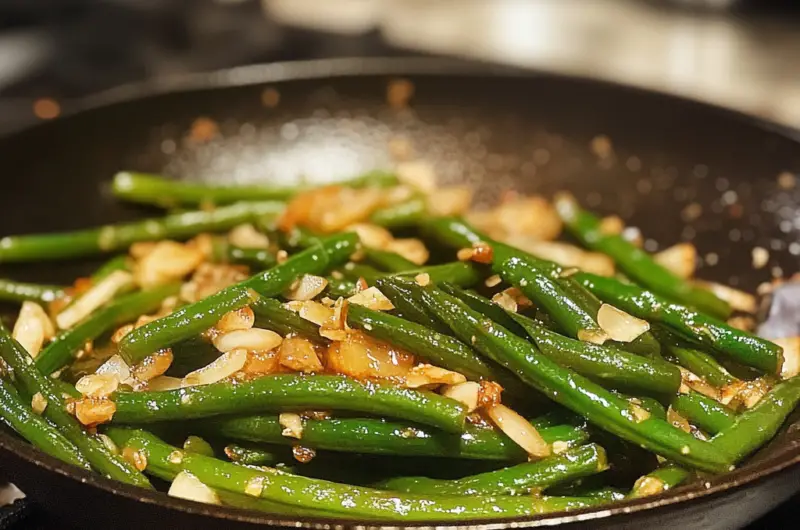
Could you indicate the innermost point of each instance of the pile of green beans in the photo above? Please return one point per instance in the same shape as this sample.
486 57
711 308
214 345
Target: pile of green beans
591 402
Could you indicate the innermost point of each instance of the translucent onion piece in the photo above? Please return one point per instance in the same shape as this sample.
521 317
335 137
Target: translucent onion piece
186 486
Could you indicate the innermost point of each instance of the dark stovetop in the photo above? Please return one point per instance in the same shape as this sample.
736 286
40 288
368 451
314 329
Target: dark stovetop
83 50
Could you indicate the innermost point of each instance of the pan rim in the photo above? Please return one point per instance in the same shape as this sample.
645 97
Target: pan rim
396 66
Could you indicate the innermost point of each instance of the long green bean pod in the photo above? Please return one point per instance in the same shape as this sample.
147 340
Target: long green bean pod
125 309
440 350
290 392
608 365
596 404
658 481
32 382
250 456
11 291
406 298
340 287
271 315
754 427
20 416
696 361
167 192
485 307
110 238
258 258
572 307
457 273
388 261
635 262
739 345
536 284
516 480
381 437
402 215
195 318
706 413
304 492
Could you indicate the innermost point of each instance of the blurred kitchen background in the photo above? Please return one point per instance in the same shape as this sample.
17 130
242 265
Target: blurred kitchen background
740 53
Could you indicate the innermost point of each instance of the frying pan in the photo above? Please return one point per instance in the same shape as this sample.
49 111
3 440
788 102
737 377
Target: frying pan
496 128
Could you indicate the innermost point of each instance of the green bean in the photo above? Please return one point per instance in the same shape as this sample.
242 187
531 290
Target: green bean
610 366
696 327
536 284
273 508
354 271
298 237
574 391
636 263
651 405
270 314
19 416
125 309
388 261
117 263
195 318
696 361
486 307
31 382
110 238
296 490
645 344
195 444
563 292
547 504
290 392
457 273
658 481
340 287
754 427
257 258
153 189
706 413
11 291
402 215
516 480
250 456
406 298
381 437
440 350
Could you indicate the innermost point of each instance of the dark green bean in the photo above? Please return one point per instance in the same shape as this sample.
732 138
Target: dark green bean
296 490
635 262
31 382
381 437
125 309
611 366
290 392
575 392
754 427
696 327
270 314
19 416
662 479
195 318
706 413
110 238
11 291
516 480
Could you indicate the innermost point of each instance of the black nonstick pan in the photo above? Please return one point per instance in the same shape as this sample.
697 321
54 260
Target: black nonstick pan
677 169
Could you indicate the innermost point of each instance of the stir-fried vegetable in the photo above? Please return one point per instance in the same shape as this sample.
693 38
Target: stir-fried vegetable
331 325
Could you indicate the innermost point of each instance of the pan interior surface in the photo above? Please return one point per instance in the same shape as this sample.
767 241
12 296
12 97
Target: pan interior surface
677 170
